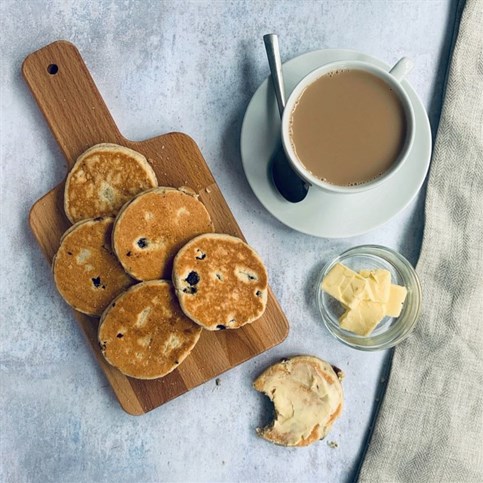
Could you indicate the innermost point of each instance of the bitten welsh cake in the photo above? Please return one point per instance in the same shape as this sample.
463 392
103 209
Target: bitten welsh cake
307 396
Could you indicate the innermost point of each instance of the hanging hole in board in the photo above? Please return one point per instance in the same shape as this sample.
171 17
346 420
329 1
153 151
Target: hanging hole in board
52 69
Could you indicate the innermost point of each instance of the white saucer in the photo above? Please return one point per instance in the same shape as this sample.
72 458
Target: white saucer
323 214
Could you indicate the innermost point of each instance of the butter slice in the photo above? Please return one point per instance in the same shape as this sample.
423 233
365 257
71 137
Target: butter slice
397 296
344 285
363 318
378 285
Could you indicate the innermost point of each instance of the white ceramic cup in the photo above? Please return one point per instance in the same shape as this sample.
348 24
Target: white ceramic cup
393 78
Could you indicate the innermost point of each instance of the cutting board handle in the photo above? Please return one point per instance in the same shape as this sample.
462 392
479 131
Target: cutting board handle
69 99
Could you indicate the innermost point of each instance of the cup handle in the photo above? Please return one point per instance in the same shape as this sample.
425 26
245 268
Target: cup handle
401 68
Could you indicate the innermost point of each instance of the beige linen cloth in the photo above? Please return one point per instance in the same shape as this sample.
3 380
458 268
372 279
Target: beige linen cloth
430 425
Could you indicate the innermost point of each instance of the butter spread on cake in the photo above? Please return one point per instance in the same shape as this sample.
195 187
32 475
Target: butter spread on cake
103 179
307 396
220 281
86 272
144 333
151 228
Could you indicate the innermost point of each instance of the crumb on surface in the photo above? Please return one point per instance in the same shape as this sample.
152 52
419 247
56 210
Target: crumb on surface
332 444
217 381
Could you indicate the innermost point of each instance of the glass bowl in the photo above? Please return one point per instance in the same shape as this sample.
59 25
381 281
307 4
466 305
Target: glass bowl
390 331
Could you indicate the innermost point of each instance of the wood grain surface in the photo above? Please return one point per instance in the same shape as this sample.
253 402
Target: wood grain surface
79 118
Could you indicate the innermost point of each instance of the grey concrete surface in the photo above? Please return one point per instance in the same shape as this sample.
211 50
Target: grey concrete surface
190 66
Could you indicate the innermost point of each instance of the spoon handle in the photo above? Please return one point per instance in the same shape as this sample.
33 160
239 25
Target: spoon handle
275 62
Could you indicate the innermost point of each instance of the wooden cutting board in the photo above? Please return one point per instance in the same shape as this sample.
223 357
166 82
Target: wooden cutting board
79 118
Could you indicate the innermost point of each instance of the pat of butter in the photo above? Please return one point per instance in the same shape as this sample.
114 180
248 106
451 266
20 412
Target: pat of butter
367 296
397 295
363 318
344 285
378 285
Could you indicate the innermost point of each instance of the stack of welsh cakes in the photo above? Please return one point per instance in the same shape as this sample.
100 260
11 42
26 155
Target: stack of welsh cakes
145 260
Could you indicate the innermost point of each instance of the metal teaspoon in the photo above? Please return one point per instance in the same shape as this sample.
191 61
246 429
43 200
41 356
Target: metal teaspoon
288 183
